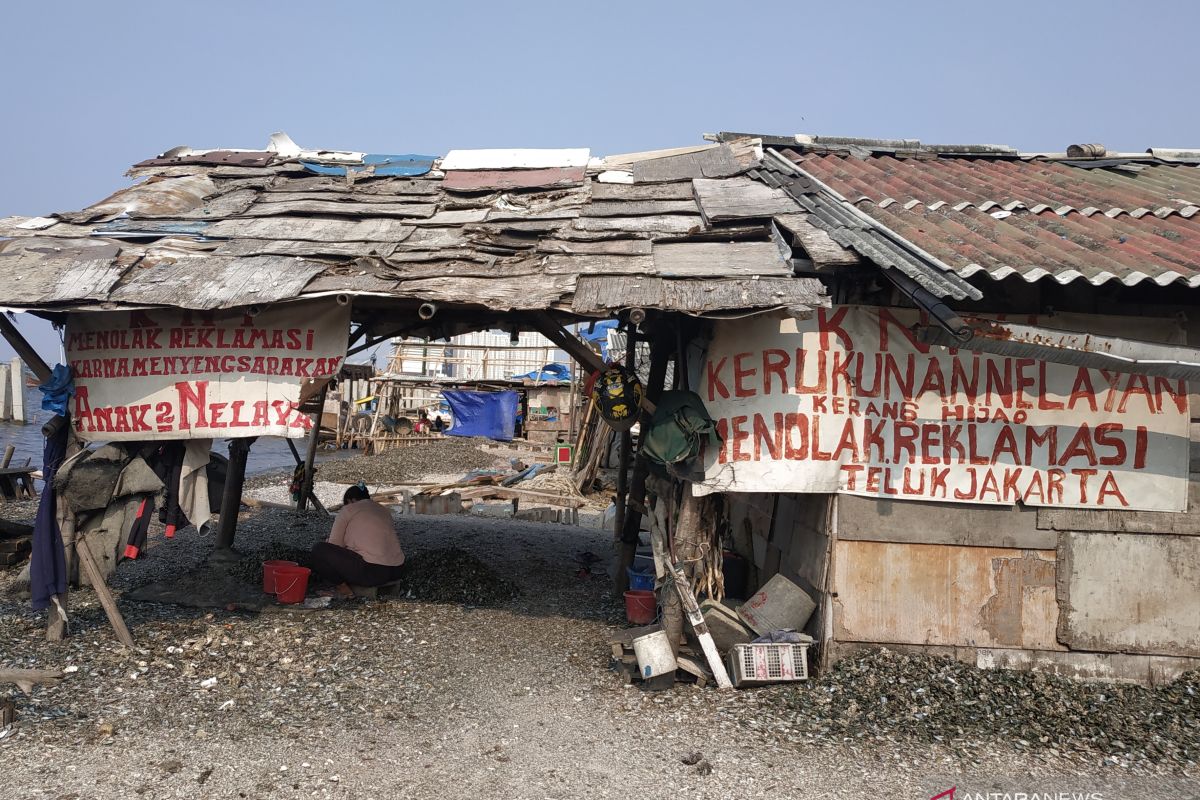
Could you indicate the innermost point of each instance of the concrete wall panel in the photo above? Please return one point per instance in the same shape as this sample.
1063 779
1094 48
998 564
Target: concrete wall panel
1130 593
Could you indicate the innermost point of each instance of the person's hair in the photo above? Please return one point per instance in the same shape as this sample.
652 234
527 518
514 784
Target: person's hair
355 493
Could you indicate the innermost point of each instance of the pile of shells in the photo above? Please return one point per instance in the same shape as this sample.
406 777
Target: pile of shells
450 575
883 694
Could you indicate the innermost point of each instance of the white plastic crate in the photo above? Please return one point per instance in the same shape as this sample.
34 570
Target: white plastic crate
755 664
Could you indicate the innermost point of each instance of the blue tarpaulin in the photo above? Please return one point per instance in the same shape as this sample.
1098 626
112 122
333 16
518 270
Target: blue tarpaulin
489 414
550 372
401 165
598 334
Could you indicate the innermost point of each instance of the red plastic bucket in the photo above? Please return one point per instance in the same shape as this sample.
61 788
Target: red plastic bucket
291 584
269 568
640 606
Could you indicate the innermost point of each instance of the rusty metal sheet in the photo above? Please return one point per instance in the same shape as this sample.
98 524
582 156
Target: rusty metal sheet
503 180
204 282
930 594
153 197
236 158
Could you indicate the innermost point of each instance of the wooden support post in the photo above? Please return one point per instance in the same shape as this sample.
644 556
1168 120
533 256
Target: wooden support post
8 454
103 593
231 500
660 354
23 349
624 458
56 624
692 609
310 455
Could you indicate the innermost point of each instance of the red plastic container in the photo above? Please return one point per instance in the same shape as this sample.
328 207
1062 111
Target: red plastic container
269 568
641 607
291 584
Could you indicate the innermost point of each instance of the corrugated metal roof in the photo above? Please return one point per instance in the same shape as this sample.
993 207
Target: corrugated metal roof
1130 218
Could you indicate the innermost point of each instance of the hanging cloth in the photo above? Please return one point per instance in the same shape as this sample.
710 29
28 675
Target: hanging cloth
193 481
48 565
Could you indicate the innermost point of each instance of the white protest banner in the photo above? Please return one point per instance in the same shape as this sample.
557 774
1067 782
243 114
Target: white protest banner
179 374
849 401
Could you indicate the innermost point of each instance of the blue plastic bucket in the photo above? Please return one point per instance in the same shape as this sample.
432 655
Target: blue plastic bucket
640 580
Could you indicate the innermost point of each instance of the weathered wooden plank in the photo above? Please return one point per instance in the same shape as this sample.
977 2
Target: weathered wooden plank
462 269
703 296
498 294
599 264
263 247
719 259
818 244
375 186
31 277
626 160
675 224
484 180
351 284
679 190
441 254
638 208
601 294
341 208
515 159
875 520
740 198
718 162
571 234
313 230
338 197
614 247
1156 522
457 217
207 281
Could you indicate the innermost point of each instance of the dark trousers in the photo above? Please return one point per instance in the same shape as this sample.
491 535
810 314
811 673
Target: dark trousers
342 565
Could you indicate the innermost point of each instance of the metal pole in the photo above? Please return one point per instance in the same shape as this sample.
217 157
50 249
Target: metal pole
231 500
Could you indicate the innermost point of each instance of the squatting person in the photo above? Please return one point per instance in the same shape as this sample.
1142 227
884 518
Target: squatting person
363 548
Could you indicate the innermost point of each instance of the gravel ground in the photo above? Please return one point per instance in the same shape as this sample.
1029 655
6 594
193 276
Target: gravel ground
419 699
452 455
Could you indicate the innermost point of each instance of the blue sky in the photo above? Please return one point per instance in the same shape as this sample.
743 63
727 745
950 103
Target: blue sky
91 88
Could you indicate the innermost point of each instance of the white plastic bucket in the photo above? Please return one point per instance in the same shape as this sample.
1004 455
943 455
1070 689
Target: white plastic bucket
654 654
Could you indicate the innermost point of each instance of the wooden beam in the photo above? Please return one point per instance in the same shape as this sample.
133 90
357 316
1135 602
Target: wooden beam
26 678
310 456
22 348
88 561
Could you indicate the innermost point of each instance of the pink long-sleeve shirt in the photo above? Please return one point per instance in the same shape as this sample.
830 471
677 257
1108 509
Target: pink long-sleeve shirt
367 528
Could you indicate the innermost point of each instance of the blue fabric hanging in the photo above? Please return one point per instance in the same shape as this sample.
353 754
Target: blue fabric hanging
57 390
47 565
490 414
